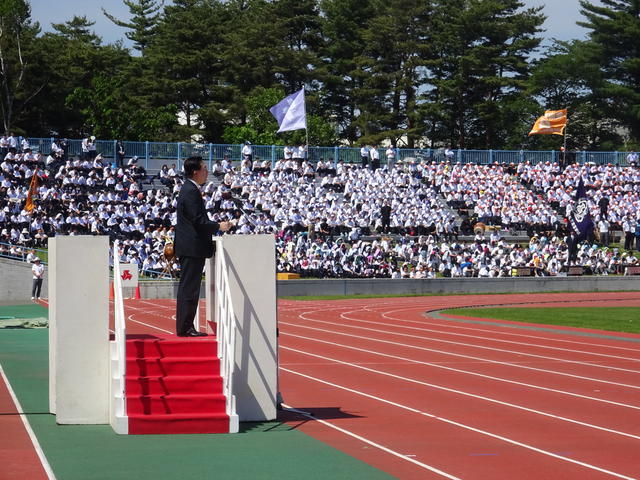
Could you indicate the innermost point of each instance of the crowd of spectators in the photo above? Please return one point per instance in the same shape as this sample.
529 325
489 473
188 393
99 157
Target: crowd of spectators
426 257
414 220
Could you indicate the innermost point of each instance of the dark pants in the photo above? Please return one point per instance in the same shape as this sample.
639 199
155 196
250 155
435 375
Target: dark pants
188 292
37 286
628 240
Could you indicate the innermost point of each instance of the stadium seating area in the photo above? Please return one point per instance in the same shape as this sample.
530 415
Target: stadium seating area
416 220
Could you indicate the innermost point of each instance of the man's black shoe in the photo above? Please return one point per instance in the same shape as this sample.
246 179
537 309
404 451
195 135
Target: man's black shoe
192 332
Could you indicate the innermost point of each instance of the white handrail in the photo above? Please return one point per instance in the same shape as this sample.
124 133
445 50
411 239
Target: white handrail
226 330
120 326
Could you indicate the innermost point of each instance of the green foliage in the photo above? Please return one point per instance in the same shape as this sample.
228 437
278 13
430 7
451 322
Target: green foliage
464 73
143 24
261 127
19 54
614 47
479 69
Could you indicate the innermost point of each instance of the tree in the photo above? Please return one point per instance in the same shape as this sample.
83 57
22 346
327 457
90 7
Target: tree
397 45
112 113
18 71
185 67
613 46
261 127
143 24
344 23
478 70
565 78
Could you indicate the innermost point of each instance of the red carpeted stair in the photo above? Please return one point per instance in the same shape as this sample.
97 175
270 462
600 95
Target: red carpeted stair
173 385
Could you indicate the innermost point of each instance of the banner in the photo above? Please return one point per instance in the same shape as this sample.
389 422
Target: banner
291 112
553 122
33 189
580 218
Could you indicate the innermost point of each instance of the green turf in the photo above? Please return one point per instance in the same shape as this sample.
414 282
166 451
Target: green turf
263 450
32 310
618 319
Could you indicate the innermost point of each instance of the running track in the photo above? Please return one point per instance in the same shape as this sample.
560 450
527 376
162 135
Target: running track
420 396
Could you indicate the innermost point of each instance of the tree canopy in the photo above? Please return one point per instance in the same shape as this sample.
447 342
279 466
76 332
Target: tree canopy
433 73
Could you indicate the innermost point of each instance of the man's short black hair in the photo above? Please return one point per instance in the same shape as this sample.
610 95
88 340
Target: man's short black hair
192 165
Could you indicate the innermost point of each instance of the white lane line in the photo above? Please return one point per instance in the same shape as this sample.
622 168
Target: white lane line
470 357
466 427
34 440
147 324
479 337
379 308
468 394
387 314
457 370
549 347
483 347
499 332
376 445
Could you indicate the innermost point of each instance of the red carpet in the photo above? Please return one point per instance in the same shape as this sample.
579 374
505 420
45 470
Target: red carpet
173 385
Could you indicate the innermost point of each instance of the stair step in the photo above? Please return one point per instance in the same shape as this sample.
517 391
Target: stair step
158 367
178 423
171 347
174 384
172 404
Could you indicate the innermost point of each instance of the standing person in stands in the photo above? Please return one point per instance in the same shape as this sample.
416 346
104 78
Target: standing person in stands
247 152
364 155
120 153
385 215
391 157
375 158
193 243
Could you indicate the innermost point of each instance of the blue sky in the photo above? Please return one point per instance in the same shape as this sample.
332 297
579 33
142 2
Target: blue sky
561 22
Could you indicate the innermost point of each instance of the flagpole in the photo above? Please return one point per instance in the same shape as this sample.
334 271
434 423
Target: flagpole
565 136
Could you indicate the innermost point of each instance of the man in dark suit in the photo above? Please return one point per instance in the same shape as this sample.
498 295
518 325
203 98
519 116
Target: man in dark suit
193 244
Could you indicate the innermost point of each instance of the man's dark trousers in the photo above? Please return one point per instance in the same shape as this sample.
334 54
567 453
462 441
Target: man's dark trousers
188 292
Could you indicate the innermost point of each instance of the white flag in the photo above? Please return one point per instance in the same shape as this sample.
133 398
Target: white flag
291 113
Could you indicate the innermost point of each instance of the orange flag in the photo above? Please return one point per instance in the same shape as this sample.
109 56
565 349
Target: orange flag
33 187
552 122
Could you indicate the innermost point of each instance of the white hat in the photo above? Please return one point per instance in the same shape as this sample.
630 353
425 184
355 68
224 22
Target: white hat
24 230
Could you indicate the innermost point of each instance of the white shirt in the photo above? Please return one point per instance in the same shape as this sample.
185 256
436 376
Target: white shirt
38 270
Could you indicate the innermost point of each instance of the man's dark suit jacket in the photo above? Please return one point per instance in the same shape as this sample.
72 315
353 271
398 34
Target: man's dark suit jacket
193 228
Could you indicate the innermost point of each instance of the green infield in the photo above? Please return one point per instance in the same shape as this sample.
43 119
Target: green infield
618 319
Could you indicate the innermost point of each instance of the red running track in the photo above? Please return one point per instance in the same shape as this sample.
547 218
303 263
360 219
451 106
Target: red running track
420 396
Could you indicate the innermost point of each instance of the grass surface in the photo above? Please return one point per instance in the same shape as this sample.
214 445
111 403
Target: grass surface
618 319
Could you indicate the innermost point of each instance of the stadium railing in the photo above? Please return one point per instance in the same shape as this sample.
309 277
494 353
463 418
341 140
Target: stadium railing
177 152
5 252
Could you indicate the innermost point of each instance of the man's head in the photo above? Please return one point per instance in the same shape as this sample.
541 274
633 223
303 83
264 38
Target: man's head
196 169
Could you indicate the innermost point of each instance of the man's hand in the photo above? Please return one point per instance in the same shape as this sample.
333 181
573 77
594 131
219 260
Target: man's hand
226 226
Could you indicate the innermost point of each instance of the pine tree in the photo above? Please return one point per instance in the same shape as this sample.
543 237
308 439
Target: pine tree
19 82
186 67
344 23
482 50
615 46
143 24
